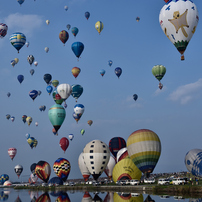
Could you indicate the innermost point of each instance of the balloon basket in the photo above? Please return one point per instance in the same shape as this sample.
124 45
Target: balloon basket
182 57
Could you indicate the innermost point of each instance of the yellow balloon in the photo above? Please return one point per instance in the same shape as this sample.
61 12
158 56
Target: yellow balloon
16 60
99 26
126 169
127 197
29 120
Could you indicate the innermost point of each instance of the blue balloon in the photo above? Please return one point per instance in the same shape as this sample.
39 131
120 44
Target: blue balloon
110 63
20 78
87 15
18 40
33 94
118 71
55 180
49 89
3 178
102 72
75 31
76 116
77 90
77 48
135 96
8 94
20 1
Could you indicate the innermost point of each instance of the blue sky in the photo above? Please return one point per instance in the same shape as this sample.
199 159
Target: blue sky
174 112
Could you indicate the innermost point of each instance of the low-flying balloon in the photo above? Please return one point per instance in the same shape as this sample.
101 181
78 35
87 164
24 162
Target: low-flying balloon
3 178
12 152
3 30
99 26
110 166
43 170
76 71
118 71
18 170
87 15
64 143
159 71
17 40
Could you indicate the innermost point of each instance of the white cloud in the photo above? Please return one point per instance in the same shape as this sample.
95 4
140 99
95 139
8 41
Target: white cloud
131 103
158 91
186 93
23 23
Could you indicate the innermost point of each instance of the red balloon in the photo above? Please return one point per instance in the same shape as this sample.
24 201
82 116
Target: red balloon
64 143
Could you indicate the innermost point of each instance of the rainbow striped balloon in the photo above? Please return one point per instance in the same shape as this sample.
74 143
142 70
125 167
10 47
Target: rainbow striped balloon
144 148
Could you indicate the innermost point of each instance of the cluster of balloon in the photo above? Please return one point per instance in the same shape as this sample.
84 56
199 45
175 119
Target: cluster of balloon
193 162
99 26
32 142
62 168
18 170
76 71
77 48
63 36
87 15
3 178
20 78
56 116
97 153
110 63
82 131
17 40
115 144
118 71
30 59
71 137
64 143
33 94
3 30
90 122
102 72
42 108
110 166
75 31
137 19
126 170
82 166
144 149
43 170
12 152
178 20
135 96
159 71
66 8
77 91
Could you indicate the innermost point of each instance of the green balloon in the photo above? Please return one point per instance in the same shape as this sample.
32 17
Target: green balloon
56 116
159 71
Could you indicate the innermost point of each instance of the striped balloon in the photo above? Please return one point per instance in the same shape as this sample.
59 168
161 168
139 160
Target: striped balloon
144 148
18 40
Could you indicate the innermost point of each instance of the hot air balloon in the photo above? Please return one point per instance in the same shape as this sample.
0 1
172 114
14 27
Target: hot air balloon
99 26
110 166
17 40
8 116
29 120
27 44
24 118
39 92
159 71
49 89
32 168
27 135
102 72
47 78
30 59
79 109
33 94
13 63
77 48
66 8
122 154
137 19
47 22
31 71
32 142
126 170
115 144
87 15
12 118
71 137
178 20
46 49
76 116
56 115
146 155
96 157
64 143
82 166
35 63
55 181
63 36
44 197
135 96
110 63
55 83
64 90
20 78
62 168
3 30
20 1
77 91
12 152
68 26
193 162
33 178
16 60
18 170
36 123
90 122
43 170
3 178
58 99
118 71
76 71
8 94
75 31
82 131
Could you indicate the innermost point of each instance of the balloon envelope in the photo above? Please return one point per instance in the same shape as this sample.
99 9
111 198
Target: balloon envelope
99 26
3 30
75 31
64 90
64 143
12 152
110 166
115 144
20 78
77 48
43 170
77 91
47 78
63 36
87 15
17 40
76 71
33 94
118 71
18 170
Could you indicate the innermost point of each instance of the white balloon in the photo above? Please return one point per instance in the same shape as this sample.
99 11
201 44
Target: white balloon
64 90
110 166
